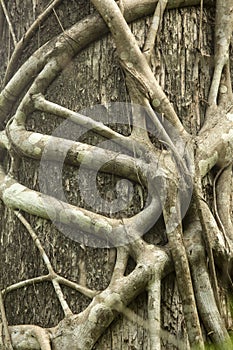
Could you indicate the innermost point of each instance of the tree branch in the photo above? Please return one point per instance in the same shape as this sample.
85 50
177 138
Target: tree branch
7 340
151 36
79 288
44 105
205 298
75 39
115 231
215 141
30 337
9 22
134 63
154 311
222 201
47 262
86 329
25 283
19 47
73 285
198 198
223 31
171 212
121 264
36 146
87 326
17 196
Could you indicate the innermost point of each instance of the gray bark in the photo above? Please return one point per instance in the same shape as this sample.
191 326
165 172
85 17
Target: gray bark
160 292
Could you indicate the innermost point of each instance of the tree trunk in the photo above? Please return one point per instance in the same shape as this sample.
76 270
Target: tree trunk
169 286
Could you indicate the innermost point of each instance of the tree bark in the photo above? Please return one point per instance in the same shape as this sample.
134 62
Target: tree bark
159 291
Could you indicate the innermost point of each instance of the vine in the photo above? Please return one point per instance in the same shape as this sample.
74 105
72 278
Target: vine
188 247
